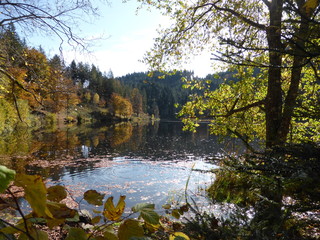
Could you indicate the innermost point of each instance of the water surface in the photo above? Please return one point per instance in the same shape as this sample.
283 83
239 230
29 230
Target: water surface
155 162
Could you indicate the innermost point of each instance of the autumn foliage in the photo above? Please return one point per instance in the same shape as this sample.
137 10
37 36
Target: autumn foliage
47 86
120 106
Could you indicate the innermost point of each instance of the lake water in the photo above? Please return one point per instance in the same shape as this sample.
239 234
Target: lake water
152 162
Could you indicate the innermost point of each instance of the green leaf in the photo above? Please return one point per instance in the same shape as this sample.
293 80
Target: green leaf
166 206
6 176
35 234
11 230
143 206
93 197
74 219
147 213
150 216
39 235
56 193
175 213
35 193
54 222
130 228
4 236
76 234
109 234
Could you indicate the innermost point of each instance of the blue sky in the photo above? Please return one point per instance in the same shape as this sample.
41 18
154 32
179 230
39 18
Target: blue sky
126 37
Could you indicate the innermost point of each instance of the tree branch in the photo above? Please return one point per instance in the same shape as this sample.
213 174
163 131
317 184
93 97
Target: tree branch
243 139
255 104
240 16
11 78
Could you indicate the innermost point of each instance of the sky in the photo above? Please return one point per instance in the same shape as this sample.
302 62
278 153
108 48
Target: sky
125 36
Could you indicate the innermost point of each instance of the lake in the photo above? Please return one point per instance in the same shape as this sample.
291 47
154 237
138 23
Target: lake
152 162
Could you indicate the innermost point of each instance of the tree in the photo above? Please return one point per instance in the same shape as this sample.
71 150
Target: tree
136 100
87 96
96 99
17 81
44 16
120 106
278 37
36 82
62 93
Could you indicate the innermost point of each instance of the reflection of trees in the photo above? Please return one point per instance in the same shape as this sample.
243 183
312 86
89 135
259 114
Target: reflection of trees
140 132
58 143
17 143
16 148
95 141
280 188
121 133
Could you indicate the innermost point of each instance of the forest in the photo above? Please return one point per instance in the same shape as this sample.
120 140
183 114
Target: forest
41 88
266 95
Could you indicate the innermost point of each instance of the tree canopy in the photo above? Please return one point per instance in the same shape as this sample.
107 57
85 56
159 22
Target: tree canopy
272 46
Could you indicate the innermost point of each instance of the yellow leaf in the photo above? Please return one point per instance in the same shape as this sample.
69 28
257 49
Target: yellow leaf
35 193
151 227
111 212
178 236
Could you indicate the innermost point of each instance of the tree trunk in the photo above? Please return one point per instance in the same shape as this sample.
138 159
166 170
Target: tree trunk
299 61
273 104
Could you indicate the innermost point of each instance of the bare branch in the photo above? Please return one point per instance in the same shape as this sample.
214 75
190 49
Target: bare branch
44 16
240 16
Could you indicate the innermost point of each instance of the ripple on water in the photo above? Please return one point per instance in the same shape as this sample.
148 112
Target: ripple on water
141 180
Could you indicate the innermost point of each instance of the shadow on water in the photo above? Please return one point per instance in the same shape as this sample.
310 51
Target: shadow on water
147 162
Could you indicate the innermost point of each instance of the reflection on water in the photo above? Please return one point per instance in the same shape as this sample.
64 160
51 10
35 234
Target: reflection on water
150 162
85 151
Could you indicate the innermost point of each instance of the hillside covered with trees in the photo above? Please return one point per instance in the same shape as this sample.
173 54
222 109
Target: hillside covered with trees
34 86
